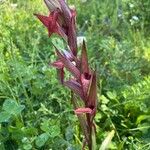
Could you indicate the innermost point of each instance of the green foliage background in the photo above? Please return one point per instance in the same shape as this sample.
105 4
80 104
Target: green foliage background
36 112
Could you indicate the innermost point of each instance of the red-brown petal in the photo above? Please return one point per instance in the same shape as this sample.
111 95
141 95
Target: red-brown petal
58 64
72 40
43 19
75 87
69 65
85 84
92 96
51 23
70 26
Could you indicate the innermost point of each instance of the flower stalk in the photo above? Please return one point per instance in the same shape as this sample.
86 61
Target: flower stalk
83 81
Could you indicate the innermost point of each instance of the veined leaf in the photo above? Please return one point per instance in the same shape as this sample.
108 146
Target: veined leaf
11 107
4 116
42 139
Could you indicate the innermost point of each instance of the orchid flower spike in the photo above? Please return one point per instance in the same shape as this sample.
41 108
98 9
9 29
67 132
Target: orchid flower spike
82 81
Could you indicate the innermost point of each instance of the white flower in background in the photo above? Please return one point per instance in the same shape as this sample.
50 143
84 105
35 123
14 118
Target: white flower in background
44 68
135 18
131 5
72 7
119 15
13 5
80 40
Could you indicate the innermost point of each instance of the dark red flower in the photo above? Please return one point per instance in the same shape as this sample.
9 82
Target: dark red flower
50 22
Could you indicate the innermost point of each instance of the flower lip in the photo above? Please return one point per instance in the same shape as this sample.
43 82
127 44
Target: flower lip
83 110
57 64
87 76
92 107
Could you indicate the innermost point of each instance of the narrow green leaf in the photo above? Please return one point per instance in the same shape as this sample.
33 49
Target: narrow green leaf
107 140
11 107
141 118
93 139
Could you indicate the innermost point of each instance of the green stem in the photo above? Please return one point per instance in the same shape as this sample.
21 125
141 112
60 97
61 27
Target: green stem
93 139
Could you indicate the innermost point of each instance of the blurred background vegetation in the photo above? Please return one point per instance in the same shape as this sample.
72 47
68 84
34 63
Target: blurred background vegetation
36 112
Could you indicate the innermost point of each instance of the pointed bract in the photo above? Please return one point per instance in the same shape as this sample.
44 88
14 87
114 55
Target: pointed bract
69 18
84 59
66 11
75 87
50 22
72 40
58 64
85 83
92 96
69 65
43 19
